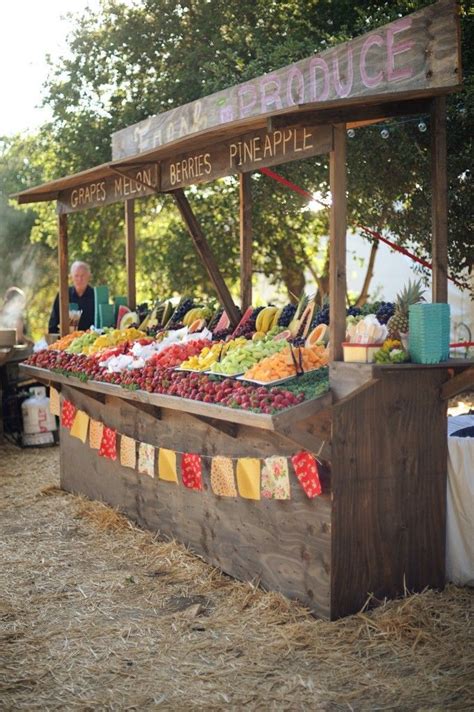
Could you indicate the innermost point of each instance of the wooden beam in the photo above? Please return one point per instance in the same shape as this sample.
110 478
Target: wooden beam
337 244
63 276
130 253
439 207
459 383
245 240
207 258
353 116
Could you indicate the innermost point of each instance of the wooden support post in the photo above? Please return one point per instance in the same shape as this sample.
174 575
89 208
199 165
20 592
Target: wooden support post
207 258
130 253
63 276
245 240
439 207
337 244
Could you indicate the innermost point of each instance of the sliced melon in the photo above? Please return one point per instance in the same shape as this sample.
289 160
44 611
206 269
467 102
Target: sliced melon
223 323
122 310
319 335
286 334
197 325
128 320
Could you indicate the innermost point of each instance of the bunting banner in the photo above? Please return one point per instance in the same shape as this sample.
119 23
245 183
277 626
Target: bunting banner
54 403
254 478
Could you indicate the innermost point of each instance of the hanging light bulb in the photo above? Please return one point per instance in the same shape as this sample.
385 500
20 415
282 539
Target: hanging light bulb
422 127
385 133
351 133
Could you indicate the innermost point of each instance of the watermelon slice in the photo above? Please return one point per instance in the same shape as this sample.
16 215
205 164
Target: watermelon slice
247 314
122 310
223 323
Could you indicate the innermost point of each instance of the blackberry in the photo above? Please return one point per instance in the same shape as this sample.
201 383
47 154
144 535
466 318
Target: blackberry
354 311
287 315
181 310
322 317
384 312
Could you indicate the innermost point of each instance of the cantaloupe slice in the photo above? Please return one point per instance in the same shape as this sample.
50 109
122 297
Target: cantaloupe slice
197 325
320 334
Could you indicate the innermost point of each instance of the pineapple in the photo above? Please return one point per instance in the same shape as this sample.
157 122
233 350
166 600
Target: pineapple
411 294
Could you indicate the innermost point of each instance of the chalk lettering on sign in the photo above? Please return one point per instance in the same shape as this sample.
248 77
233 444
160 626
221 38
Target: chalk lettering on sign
270 89
341 90
295 74
319 64
247 96
396 75
370 81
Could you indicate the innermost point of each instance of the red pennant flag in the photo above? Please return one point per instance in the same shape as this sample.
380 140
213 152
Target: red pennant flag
191 471
306 468
108 445
68 413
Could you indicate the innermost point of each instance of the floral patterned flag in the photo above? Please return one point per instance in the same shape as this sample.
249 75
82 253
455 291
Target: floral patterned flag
248 477
54 405
95 434
108 445
306 468
146 459
80 426
275 480
68 413
167 465
191 471
128 452
222 477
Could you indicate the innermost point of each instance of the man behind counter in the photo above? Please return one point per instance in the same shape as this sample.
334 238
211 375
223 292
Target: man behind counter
81 294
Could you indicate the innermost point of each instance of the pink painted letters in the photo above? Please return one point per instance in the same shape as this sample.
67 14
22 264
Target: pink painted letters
395 75
370 80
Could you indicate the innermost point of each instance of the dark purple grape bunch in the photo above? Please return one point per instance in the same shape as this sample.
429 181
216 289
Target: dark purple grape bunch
287 315
222 334
180 311
354 311
321 317
384 312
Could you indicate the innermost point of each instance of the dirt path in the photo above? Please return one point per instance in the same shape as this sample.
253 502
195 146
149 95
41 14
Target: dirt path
96 614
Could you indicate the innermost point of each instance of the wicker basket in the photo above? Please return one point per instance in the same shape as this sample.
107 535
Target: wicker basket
429 326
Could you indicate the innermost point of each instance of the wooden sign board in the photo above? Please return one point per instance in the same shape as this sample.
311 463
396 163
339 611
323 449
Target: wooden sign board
129 183
246 153
417 55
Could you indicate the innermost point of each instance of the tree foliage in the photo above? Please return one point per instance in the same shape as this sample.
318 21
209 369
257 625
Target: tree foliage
127 62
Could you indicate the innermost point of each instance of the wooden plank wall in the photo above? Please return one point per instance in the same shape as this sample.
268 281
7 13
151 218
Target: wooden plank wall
284 545
389 489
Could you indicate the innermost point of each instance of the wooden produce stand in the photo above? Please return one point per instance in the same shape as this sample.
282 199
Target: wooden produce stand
379 526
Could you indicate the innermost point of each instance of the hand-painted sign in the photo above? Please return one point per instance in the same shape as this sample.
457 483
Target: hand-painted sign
244 153
126 184
417 55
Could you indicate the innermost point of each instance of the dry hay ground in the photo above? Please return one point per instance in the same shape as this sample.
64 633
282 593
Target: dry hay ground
97 614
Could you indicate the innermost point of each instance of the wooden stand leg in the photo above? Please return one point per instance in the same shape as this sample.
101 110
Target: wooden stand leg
439 208
130 253
63 276
245 241
337 246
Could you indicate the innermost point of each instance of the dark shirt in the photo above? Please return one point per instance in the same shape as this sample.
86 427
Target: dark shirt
86 305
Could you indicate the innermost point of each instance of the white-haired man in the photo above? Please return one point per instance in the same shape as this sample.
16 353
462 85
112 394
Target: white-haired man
81 293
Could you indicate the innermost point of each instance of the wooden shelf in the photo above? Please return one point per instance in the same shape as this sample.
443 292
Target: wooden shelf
208 410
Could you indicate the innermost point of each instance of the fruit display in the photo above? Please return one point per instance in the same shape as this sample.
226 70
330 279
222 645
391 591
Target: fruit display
175 354
113 337
83 342
65 341
288 362
392 351
210 355
411 294
243 358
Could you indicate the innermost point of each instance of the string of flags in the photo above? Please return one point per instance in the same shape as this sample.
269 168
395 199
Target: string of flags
255 478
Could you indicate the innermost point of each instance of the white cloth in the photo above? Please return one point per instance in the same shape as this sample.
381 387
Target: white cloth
460 504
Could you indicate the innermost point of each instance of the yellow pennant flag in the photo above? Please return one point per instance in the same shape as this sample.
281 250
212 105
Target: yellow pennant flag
54 405
248 477
167 465
95 434
80 426
128 452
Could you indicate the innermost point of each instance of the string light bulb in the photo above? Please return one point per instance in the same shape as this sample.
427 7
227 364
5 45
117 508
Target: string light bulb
422 127
351 133
385 133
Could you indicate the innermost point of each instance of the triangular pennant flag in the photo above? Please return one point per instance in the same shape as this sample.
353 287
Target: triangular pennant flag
95 434
80 426
108 445
248 477
146 459
275 480
222 477
54 404
68 413
191 471
167 465
306 469
128 452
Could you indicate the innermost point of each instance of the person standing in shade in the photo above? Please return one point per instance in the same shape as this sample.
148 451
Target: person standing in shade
81 293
